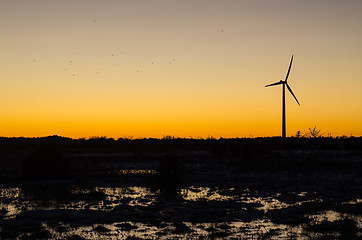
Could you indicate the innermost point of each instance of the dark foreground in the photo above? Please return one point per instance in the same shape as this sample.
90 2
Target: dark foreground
58 188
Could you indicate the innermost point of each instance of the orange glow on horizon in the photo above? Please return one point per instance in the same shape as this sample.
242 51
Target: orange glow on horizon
85 68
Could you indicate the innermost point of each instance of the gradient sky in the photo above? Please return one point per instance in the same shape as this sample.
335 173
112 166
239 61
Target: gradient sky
150 68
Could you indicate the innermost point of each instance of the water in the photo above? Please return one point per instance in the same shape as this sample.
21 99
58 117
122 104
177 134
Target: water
197 211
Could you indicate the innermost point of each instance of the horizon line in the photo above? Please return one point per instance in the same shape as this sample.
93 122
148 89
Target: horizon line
169 137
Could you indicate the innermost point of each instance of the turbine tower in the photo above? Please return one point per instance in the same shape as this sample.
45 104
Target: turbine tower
284 83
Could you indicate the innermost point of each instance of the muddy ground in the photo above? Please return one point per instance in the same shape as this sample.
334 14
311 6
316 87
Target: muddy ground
211 190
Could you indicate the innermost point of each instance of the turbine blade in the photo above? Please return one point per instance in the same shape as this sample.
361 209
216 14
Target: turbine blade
290 66
290 90
277 83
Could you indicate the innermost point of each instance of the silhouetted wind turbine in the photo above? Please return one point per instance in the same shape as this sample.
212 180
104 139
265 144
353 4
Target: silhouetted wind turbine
285 83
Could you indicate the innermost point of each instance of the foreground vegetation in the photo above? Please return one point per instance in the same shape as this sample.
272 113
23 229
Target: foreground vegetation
62 188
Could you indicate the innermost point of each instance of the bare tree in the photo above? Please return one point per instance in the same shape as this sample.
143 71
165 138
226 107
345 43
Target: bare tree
313 133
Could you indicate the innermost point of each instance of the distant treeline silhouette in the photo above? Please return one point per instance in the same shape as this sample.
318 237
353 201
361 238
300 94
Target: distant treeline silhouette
171 143
166 165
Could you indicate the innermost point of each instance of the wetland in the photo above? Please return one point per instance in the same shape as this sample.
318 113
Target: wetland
267 188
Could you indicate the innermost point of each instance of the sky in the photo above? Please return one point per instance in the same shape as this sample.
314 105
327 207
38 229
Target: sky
183 68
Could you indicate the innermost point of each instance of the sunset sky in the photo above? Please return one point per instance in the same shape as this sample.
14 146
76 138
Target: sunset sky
151 68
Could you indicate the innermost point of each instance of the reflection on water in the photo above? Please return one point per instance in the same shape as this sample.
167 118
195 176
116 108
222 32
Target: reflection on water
204 193
137 171
9 193
9 202
148 213
109 231
133 196
122 230
330 216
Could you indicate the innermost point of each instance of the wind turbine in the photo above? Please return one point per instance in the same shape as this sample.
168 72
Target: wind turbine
284 83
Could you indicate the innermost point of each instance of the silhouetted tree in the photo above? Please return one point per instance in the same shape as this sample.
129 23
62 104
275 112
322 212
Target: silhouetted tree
313 133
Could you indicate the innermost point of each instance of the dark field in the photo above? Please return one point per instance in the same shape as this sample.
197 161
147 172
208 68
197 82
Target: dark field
264 188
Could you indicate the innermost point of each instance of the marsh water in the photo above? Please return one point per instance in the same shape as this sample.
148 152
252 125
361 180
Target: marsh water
108 196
